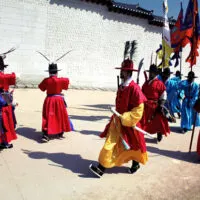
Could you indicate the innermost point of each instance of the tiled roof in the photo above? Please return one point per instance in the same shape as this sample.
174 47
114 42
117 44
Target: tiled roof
133 10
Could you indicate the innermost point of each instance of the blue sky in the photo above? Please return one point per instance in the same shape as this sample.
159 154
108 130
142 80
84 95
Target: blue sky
156 5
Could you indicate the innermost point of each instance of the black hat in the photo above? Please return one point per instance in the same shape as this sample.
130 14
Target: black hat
178 73
166 71
52 68
2 65
191 74
153 68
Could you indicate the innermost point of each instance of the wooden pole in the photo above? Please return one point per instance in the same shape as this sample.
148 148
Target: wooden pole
181 54
117 82
193 129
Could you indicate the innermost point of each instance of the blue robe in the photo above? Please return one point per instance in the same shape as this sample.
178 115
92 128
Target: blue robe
191 92
174 95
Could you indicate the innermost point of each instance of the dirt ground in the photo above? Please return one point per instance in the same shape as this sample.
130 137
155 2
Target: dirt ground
58 170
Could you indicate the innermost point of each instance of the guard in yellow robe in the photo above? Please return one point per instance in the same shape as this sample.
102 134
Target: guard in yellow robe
123 143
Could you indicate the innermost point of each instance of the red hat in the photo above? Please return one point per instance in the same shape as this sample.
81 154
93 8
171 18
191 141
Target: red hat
127 65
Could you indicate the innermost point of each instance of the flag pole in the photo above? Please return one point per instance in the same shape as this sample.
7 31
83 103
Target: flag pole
181 55
193 129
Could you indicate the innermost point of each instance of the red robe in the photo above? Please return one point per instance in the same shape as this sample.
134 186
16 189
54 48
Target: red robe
127 98
7 114
153 121
198 145
6 80
55 118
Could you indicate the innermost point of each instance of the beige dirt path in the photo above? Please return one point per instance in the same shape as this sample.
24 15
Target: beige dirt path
58 170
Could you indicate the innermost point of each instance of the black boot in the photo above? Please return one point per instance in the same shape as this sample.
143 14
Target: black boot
6 146
159 137
135 166
60 135
98 171
45 137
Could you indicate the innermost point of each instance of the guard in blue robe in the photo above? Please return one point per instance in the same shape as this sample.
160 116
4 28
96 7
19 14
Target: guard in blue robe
188 114
174 94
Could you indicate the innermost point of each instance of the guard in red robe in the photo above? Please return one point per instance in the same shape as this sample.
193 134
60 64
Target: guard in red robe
154 121
7 121
55 120
123 143
198 145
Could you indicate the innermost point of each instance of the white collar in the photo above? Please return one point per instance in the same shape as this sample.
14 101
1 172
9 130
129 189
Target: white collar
50 75
152 80
127 82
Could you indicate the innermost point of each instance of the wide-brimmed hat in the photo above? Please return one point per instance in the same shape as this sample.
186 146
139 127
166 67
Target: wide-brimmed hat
127 65
2 65
166 71
191 74
153 68
178 73
53 68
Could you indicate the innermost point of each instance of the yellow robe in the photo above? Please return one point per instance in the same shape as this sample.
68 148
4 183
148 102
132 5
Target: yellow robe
113 152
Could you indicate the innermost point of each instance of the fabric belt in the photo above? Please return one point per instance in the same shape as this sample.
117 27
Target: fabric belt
55 95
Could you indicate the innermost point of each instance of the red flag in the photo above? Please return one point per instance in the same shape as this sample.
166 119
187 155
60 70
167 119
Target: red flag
191 27
177 37
177 34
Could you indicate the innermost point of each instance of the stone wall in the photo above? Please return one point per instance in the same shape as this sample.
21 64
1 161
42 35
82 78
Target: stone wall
95 35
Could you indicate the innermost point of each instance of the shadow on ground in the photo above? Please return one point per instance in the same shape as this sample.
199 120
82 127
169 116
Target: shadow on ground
30 133
175 129
100 106
89 132
88 118
184 156
74 163
152 141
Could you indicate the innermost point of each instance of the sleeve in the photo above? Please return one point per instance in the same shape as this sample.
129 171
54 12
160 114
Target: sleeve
65 83
42 85
10 79
132 117
162 91
163 96
194 95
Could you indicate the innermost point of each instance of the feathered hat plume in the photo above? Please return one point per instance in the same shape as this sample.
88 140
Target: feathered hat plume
53 64
3 56
129 51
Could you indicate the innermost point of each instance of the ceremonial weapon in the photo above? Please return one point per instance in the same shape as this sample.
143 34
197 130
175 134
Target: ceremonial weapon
134 127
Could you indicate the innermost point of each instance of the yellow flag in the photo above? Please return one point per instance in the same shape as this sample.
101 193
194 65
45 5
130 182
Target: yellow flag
166 38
